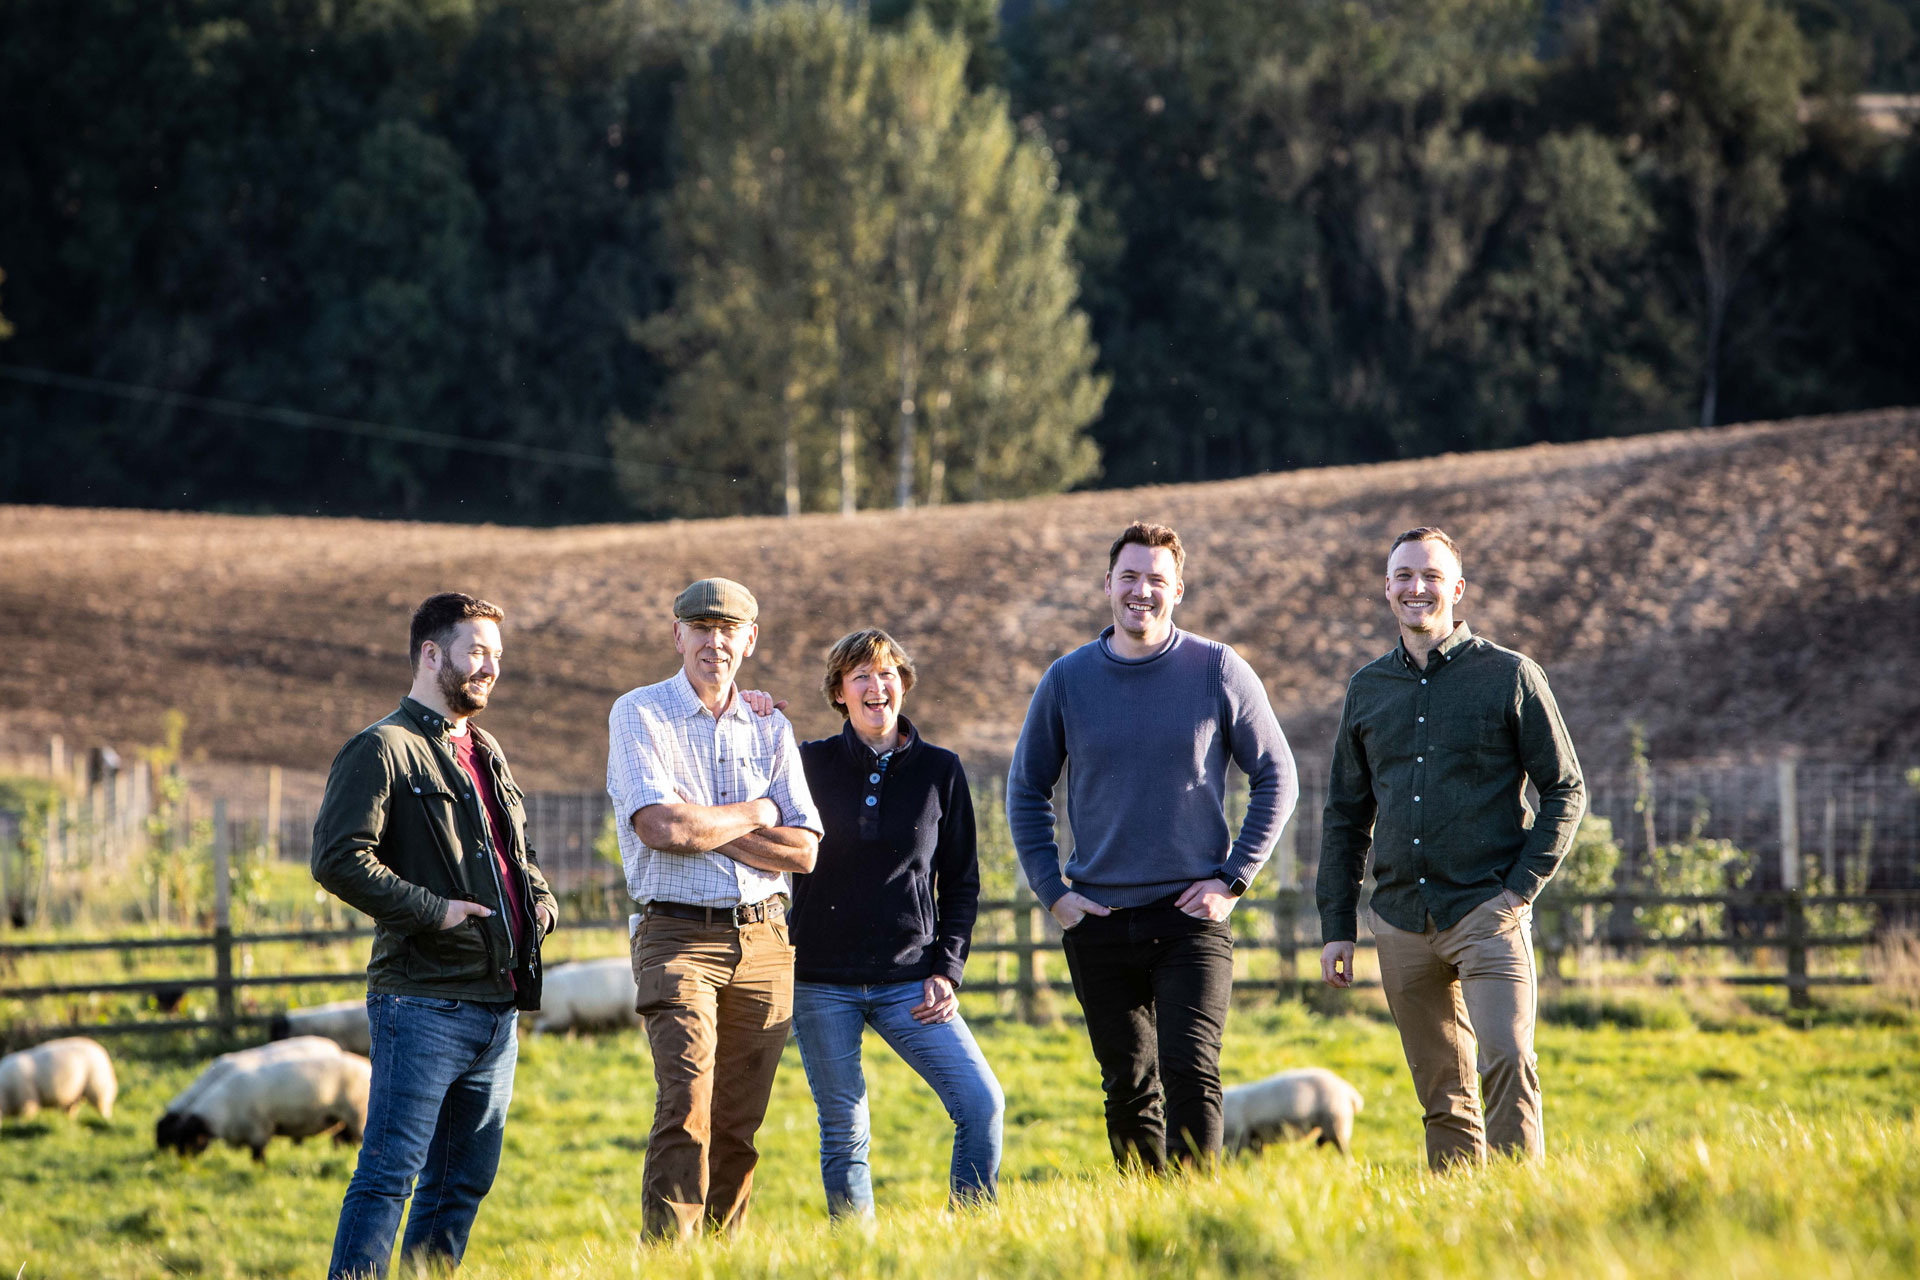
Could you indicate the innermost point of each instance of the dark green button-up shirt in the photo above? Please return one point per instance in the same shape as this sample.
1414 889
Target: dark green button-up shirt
1430 770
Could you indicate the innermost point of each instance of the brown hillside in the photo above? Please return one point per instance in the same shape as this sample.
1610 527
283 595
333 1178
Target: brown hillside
1739 591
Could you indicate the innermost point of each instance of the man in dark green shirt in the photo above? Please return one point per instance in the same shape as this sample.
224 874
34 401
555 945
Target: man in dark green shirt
1437 742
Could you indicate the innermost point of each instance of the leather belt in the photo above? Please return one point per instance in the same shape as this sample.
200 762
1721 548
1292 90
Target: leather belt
774 908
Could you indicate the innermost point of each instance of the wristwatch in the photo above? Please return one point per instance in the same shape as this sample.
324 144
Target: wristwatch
1235 886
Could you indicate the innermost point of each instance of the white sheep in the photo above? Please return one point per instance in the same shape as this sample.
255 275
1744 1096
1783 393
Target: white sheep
60 1074
344 1022
1293 1103
296 1088
589 993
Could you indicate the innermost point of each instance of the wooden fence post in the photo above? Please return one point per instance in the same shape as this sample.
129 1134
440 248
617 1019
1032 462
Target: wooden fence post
273 813
1286 910
222 919
1798 995
1024 984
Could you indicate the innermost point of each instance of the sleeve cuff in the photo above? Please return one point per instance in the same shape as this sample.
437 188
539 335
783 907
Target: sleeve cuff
1344 927
1050 892
435 910
1525 883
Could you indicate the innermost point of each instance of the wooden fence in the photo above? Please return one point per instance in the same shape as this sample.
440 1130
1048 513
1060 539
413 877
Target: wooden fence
1282 927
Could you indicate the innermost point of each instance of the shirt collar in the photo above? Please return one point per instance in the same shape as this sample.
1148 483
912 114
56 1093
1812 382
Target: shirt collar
1445 651
687 700
909 739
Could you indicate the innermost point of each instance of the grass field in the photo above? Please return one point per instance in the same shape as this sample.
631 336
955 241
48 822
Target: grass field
1752 1151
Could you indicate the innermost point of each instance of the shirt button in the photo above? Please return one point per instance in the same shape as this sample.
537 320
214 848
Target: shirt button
1423 719
872 801
1419 759
873 777
1416 840
1423 879
1423 680
1416 799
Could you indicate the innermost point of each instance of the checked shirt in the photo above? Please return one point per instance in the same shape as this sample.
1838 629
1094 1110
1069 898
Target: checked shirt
665 747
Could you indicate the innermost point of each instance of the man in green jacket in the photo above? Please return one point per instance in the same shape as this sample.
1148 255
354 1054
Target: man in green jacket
423 829
1437 742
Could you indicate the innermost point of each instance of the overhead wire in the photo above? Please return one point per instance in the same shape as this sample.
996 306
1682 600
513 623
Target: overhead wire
306 421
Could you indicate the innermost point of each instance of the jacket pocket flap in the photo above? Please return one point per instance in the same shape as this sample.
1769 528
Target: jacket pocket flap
423 783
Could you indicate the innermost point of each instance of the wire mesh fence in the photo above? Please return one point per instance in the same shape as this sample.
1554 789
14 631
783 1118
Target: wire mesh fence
1822 827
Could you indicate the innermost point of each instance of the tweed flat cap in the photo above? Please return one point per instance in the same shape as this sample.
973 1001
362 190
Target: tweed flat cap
716 598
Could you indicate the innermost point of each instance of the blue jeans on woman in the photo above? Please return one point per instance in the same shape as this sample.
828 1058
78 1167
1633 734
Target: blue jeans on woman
828 1018
436 1111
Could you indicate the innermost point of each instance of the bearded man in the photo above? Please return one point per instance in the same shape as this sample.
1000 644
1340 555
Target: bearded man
423 829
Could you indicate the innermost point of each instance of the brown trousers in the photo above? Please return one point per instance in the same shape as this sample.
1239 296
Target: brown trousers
718 1002
1464 999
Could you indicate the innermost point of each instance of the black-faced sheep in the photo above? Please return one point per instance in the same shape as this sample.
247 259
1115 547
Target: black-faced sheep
590 993
344 1022
1290 1104
60 1074
294 1088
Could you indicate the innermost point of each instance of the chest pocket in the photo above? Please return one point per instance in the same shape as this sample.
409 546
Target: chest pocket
1479 730
441 808
742 775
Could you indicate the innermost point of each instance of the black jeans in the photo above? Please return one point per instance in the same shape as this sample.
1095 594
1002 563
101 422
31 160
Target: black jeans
1155 984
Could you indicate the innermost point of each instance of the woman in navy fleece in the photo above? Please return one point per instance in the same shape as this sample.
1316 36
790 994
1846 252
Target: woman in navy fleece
882 924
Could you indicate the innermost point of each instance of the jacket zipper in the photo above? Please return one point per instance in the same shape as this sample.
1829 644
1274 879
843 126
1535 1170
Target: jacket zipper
486 845
531 916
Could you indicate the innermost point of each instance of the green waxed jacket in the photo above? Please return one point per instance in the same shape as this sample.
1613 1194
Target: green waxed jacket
400 831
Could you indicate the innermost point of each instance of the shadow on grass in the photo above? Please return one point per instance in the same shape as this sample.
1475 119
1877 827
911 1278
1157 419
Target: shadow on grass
25 1130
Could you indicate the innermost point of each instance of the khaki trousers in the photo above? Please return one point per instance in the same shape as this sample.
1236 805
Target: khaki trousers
718 1003
1464 1000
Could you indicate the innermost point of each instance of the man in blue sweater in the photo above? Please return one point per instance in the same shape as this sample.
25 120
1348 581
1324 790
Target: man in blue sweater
1148 715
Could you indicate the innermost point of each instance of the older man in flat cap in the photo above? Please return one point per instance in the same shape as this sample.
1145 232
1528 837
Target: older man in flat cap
713 813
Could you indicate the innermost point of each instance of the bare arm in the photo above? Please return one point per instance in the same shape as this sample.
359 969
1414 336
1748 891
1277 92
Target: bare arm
698 828
775 849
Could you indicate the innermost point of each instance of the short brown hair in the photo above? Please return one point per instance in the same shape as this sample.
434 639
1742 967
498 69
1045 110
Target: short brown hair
438 615
1428 533
856 649
1149 535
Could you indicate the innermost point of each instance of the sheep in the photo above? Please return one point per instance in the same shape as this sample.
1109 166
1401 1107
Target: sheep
344 1022
300 1087
60 1073
590 993
1310 1100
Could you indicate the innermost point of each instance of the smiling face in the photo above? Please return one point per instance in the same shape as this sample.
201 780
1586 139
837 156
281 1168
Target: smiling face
465 665
711 652
872 694
1142 587
1423 585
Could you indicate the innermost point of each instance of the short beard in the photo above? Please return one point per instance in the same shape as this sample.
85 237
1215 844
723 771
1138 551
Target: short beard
460 699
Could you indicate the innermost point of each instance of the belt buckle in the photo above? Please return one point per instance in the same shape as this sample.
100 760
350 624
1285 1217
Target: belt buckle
740 916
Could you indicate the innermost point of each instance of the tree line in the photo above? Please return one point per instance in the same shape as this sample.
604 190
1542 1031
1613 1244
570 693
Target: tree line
563 260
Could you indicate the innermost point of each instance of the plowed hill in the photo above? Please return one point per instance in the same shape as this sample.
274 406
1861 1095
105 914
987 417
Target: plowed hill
1738 591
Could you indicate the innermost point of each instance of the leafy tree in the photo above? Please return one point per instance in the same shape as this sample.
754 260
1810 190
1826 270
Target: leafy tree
776 227
1712 89
876 293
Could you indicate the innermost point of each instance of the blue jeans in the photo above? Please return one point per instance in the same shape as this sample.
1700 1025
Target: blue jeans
828 1019
436 1111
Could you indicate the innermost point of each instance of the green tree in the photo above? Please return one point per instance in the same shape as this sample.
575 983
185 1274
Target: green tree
1712 89
775 227
876 295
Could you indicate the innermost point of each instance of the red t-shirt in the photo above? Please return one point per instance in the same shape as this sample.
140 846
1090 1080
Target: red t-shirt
497 823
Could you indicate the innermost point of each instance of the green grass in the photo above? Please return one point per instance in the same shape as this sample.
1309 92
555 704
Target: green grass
1675 1151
